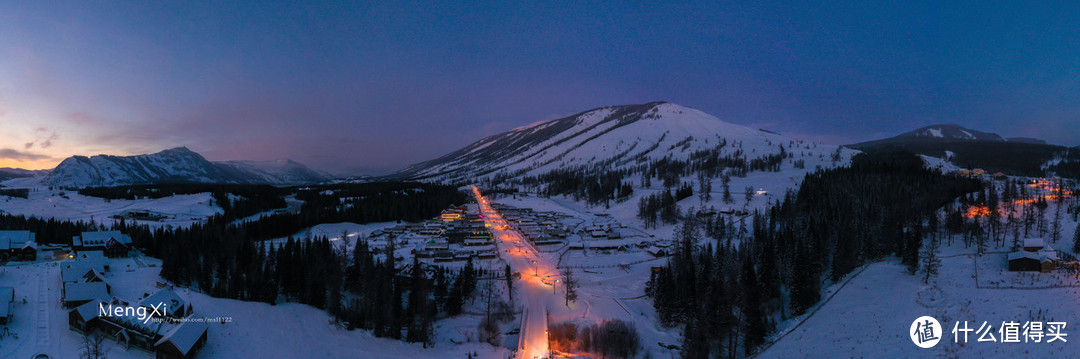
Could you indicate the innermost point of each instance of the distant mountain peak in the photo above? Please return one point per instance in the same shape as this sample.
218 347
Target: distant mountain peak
952 132
175 165
946 133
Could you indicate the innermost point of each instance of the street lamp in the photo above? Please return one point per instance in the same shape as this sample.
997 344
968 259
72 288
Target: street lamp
536 271
553 286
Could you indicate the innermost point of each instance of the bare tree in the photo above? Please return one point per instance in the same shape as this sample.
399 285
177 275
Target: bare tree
92 347
487 294
1055 227
571 285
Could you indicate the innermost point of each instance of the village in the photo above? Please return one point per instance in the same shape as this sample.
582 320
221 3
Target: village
50 286
460 234
76 282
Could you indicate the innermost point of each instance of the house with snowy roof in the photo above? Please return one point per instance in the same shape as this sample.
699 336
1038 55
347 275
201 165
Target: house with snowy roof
1044 260
76 294
1033 244
89 259
7 298
18 245
182 342
165 338
168 302
80 275
112 243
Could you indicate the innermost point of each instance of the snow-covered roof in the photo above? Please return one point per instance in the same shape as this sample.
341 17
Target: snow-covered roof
172 301
89 310
74 292
1023 254
15 239
1033 242
184 336
7 294
98 265
88 239
74 274
1040 256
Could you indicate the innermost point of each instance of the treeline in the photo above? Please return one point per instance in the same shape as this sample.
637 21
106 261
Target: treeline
728 293
1068 166
1014 158
16 192
594 189
237 200
359 203
658 206
131 192
365 290
46 231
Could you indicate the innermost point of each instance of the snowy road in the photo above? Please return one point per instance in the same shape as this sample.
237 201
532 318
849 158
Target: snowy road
537 274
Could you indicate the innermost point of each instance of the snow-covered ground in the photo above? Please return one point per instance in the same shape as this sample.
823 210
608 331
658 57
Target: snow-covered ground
334 231
180 210
288 330
871 314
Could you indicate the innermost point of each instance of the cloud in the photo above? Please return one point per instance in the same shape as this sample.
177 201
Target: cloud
44 143
12 154
81 118
48 141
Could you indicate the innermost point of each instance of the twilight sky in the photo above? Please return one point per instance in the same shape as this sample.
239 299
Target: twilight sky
371 88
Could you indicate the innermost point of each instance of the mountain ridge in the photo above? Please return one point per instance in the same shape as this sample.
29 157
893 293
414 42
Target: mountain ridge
174 165
611 137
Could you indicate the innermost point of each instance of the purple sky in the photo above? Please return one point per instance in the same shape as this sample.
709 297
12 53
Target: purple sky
372 88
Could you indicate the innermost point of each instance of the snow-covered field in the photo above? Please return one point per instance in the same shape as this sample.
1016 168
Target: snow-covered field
180 210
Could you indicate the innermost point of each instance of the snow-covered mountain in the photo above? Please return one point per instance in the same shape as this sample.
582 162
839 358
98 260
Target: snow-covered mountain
947 133
176 165
612 137
277 171
9 173
951 132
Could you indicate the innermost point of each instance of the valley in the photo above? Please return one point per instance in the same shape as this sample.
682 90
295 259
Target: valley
629 205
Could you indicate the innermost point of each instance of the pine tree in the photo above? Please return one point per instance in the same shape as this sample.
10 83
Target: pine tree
727 190
695 343
753 318
1076 240
931 264
508 276
748 195
805 283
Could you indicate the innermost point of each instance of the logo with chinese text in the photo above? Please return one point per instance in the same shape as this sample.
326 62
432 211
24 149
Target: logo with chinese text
925 332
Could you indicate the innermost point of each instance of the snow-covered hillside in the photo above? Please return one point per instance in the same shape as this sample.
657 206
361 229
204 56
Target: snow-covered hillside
178 210
173 165
612 137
